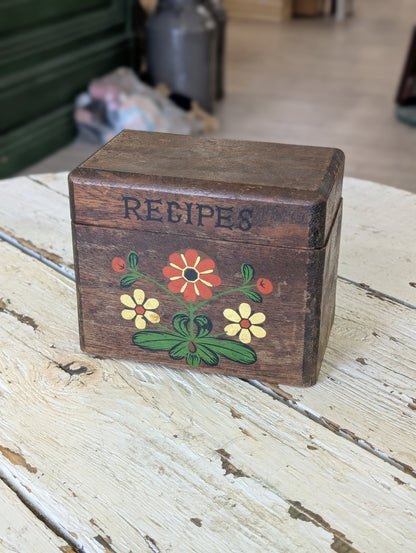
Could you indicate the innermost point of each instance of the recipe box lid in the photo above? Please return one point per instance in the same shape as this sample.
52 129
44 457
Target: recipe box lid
241 191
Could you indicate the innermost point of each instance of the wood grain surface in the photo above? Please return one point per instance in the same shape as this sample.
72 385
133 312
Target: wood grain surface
284 167
129 457
35 214
21 530
378 239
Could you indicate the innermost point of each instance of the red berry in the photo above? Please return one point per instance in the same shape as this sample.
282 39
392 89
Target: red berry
264 286
118 265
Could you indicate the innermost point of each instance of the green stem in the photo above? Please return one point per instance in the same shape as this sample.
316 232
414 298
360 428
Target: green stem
192 309
239 289
169 330
164 288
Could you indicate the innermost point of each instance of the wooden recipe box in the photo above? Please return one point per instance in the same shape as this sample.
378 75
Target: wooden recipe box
208 254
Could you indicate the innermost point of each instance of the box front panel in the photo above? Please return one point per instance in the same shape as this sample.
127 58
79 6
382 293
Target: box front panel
193 303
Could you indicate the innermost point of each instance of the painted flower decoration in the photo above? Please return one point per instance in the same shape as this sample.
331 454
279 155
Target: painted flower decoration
264 286
140 309
118 264
191 336
244 323
191 276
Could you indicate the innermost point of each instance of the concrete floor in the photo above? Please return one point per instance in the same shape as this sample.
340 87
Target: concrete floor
315 82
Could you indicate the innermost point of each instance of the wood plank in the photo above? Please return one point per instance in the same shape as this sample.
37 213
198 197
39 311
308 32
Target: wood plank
55 181
21 530
132 457
366 387
36 215
378 238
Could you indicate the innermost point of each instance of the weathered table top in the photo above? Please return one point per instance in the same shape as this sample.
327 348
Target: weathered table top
106 456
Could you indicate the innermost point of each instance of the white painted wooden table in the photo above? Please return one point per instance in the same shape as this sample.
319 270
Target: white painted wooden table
108 456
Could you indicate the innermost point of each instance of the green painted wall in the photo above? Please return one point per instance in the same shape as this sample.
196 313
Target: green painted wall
49 51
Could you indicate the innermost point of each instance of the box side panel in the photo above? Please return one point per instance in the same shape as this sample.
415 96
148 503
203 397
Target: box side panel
333 183
78 286
139 300
320 302
324 210
329 285
313 315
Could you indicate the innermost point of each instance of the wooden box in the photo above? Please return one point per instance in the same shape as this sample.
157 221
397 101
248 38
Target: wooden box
208 254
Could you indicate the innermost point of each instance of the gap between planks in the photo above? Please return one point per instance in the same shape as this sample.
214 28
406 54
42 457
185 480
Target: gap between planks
375 292
36 508
74 545
276 393
285 398
65 271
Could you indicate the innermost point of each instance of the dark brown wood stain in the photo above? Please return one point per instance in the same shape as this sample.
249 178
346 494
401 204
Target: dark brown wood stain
270 207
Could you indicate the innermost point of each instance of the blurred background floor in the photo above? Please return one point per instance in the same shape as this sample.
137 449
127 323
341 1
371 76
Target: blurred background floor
314 82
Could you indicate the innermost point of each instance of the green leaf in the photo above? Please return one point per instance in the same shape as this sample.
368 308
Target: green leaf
133 259
156 340
127 280
247 271
208 356
254 296
193 359
179 351
241 353
204 325
180 322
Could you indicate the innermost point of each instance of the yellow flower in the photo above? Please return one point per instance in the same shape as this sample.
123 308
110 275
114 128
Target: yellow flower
140 309
244 323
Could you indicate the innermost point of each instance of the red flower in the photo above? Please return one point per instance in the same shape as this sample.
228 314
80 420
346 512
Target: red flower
191 276
264 286
118 265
